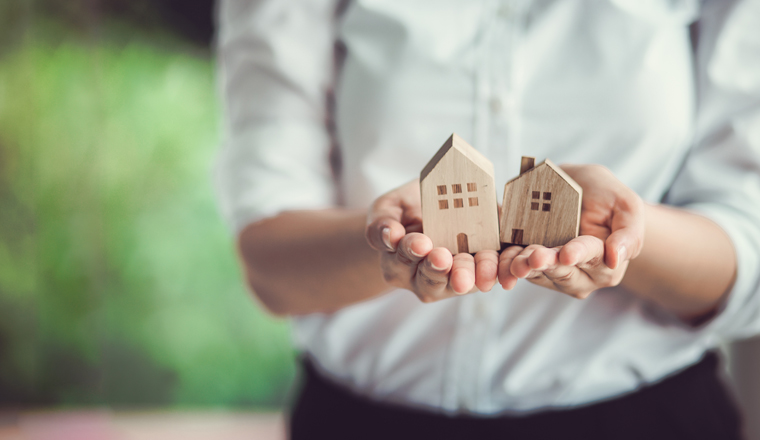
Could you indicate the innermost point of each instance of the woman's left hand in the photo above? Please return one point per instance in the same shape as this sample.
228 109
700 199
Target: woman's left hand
612 234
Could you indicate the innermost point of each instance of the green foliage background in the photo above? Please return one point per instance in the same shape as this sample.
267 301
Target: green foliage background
118 280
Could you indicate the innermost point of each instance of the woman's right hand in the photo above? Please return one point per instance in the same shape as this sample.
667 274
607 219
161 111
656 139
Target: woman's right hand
408 258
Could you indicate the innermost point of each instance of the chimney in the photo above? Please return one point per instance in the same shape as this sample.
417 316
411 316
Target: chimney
527 164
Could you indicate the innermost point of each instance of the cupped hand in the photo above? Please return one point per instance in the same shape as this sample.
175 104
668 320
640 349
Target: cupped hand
611 234
408 258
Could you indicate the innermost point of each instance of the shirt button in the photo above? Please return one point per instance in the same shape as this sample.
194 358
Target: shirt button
495 105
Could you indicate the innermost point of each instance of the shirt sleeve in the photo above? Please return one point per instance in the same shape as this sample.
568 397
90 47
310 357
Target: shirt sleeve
720 178
275 67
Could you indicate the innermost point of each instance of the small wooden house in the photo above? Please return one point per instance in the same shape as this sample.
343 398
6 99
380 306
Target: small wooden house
459 208
541 206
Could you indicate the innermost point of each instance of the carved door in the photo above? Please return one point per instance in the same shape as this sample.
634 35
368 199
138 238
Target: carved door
517 236
463 246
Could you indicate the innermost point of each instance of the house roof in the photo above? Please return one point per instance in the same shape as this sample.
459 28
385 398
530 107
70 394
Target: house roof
557 170
456 142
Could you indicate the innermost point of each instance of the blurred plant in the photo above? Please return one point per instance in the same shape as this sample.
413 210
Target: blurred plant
118 281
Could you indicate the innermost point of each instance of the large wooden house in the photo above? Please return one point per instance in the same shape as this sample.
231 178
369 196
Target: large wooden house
459 207
541 206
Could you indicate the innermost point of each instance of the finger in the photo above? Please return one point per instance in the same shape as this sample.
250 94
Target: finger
627 236
384 230
569 280
586 252
486 270
588 255
521 265
547 271
388 215
543 258
432 278
506 278
462 278
623 245
412 248
399 267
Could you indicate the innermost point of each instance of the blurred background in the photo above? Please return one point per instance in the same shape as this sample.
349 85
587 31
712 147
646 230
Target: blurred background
119 286
121 305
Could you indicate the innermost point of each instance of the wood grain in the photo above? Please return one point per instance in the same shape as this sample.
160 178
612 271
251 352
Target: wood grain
469 223
541 206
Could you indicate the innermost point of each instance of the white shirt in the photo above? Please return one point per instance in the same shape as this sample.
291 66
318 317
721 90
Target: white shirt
614 82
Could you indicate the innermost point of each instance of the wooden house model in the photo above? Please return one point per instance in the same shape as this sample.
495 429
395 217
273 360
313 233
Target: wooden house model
459 208
541 206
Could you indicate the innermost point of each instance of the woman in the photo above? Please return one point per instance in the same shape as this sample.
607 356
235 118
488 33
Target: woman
331 105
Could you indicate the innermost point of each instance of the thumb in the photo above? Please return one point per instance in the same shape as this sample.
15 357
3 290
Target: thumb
627 236
385 220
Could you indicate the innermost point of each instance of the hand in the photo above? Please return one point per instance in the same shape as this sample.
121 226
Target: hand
408 258
612 234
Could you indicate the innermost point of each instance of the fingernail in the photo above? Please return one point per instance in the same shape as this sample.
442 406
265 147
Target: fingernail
411 251
436 267
622 254
387 238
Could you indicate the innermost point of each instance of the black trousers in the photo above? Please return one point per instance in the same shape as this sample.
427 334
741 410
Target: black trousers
692 404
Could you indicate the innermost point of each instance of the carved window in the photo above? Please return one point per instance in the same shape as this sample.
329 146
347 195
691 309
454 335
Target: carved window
472 187
441 190
536 196
443 204
458 203
456 188
473 201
